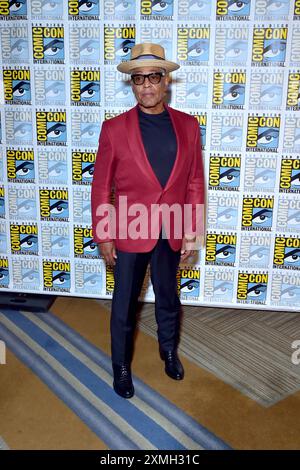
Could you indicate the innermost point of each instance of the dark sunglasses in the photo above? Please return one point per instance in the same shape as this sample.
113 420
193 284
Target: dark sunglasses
154 78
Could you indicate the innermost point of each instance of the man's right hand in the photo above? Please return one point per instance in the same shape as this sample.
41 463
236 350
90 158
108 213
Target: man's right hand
108 251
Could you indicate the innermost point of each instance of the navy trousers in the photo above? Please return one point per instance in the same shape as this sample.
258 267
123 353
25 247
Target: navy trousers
129 274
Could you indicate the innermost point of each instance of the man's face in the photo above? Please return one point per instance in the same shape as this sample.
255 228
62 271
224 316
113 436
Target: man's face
150 95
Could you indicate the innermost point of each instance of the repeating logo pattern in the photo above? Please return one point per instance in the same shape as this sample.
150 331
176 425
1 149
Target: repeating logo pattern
239 77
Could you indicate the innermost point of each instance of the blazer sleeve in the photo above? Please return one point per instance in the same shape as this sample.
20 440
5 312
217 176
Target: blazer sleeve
101 187
195 194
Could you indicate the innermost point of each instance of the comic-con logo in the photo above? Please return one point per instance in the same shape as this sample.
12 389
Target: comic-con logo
202 121
84 9
231 45
44 9
49 86
16 84
156 9
26 273
227 131
229 90
252 287
266 89
83 167
293 93
118 43
193 45
51 127
224 172
88 277
14 47
285 288
13 9
20 166
85 87
287 253
56 275
189 283
119 10
48 44
297 10
54 204
263 133
4 272
220 249
110 281
85 127
218 284
2 202
84 245
265 10
233 10
24 239
257 213
290 175
269 46
194 10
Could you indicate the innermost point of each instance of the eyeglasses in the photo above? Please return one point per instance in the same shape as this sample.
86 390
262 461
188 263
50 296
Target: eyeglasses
154 78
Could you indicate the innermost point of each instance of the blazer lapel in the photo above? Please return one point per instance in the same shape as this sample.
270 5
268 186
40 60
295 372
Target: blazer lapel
137 149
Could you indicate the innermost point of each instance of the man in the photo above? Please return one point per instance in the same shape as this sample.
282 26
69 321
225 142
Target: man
151 154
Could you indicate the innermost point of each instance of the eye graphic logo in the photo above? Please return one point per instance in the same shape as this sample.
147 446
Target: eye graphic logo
13 9
88 277
194 9
16 86
20 166
233 10
293 94
51 127
220 249
118 43
257 213
224 173
85 87
24 239
84 245
287 253
54 204
229 90
189 283
269 46
84 9
290 175
252 288
56 276
263 133
48 44
83 167
4 272
156 9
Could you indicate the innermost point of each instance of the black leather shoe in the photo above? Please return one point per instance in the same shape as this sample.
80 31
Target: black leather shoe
173 366
123 385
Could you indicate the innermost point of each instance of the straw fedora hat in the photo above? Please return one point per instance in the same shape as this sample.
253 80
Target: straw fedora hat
145 55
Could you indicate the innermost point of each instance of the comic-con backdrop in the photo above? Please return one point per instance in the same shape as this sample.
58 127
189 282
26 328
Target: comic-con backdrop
240 78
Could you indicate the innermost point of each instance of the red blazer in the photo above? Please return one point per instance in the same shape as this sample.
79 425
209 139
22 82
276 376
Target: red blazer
122 162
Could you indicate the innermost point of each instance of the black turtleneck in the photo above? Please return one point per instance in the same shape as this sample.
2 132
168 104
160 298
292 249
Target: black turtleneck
160 142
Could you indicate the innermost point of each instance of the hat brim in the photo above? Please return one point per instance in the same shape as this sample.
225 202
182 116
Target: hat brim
127 67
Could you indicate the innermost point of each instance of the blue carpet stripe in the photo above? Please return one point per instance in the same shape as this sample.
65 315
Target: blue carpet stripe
189 426
102 427
149 428
135 418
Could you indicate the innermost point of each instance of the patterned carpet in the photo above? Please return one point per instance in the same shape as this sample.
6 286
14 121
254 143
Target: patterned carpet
250 350
80 375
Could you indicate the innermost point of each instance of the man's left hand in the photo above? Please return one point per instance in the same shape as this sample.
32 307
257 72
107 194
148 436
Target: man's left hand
186 252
